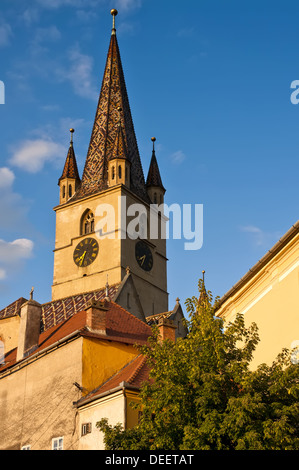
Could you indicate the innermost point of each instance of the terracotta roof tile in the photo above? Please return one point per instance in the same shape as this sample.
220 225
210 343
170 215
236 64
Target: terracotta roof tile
12 309
154 177
70 169
122 326
135 373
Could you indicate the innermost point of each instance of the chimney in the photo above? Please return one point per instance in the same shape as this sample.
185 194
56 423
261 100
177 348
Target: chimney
166 329
29 328
96 318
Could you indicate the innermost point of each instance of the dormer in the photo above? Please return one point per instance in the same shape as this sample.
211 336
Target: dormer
119 166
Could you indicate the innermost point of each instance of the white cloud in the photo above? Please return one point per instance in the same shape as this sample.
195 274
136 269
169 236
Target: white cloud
178 157
12 254
3 274
127 4
30 16
51 33
261 237
79 74
7 178
31 155
13 209
54 4
5 34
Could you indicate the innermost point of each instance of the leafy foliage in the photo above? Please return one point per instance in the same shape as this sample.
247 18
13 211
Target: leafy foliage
202 394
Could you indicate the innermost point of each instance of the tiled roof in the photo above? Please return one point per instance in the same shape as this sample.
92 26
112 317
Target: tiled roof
122 326
113 110
12 309
133 374
62 309
70 168
155 318
154 177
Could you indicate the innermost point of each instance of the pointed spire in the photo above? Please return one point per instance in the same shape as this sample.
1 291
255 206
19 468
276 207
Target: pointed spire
154 177
70 169
106 128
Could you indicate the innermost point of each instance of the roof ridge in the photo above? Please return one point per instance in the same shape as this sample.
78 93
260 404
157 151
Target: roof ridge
81 293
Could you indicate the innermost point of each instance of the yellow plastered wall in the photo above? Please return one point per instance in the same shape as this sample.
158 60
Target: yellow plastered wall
131 413
9 332
271 300
102 359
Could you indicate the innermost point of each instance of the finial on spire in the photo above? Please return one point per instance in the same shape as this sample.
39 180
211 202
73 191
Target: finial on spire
31 293
114 13
153 140
72 133
203 276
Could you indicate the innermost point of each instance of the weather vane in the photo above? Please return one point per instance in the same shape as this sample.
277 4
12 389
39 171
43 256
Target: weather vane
114 13
72 133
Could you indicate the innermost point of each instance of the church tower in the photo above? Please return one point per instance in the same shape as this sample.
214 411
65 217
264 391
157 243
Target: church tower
86 258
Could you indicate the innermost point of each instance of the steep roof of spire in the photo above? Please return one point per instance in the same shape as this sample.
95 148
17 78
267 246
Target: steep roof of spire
70 169
154 177
113 109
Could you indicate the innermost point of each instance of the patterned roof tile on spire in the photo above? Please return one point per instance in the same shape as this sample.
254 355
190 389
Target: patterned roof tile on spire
108 117
154 177
119 148
70 168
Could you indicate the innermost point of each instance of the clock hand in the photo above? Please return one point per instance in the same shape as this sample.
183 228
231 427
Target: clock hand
82 258
142 258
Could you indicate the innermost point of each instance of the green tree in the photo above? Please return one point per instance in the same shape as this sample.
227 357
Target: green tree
202 394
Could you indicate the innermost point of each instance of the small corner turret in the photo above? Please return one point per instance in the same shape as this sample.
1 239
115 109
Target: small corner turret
70 179
154 186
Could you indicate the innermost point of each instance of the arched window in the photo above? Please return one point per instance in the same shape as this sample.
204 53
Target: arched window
63 191
119 171
87 225
113 172
70 190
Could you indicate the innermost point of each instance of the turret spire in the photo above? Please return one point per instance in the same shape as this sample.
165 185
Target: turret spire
70 169
154 178
70 179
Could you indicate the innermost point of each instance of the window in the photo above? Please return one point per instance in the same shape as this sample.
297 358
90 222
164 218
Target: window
119 172
86 429
87 223
63 191
57 443
113 172
26 447
70 191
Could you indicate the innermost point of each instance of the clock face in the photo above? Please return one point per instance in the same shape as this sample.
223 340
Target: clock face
144 256
86 252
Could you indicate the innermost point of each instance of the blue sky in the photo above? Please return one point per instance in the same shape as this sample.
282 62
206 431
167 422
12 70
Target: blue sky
210 79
